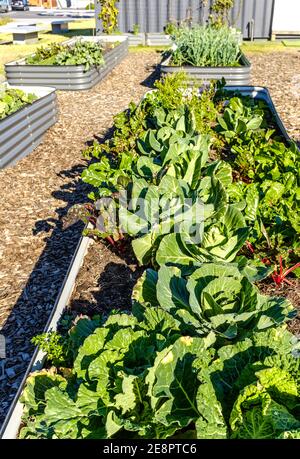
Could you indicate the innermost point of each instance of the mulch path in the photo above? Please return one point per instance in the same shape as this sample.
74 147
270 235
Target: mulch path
280 73
35 252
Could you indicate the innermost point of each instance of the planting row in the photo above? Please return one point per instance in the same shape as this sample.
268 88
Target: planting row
203 354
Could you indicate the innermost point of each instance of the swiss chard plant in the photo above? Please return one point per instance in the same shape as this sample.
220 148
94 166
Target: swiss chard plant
266 186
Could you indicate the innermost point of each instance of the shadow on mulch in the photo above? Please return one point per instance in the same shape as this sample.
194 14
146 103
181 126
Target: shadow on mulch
150 80
32 309
112 288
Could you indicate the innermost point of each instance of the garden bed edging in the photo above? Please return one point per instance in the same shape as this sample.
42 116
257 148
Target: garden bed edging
233 75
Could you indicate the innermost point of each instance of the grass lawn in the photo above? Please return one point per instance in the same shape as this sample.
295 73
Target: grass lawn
247 46
12 52
292 43
263 46
142 48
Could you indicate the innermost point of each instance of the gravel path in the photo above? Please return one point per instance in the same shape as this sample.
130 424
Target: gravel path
35 251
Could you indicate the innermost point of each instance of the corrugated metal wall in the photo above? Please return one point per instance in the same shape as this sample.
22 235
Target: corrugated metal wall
152 15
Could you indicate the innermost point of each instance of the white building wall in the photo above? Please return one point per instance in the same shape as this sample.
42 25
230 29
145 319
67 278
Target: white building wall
286 16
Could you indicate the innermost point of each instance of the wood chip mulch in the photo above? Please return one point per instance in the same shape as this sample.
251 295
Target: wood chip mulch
280 73
35 250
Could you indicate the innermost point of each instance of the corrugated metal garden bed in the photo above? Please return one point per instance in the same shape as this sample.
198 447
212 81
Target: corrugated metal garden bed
68 77
22 131
239 75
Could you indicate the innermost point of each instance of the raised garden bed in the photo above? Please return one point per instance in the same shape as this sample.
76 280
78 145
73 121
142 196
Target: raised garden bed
206 53
239 75
12 423
68 77
157 39
22 131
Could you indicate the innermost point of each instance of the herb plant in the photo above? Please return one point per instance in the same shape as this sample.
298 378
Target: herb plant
205 46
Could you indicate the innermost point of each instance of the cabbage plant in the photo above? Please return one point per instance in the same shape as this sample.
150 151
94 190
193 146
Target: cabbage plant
215 297
253 389
133 378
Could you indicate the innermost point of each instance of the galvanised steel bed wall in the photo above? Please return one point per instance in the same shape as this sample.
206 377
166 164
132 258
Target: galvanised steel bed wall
21 132
233 75
152 15
67 77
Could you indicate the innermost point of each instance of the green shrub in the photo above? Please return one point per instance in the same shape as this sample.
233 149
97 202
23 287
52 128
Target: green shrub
136 29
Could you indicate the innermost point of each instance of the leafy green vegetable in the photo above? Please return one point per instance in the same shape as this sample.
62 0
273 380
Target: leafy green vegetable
267 189
12 100
254 387
256 413
215 297
129 378
44 54
141 377
85 53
